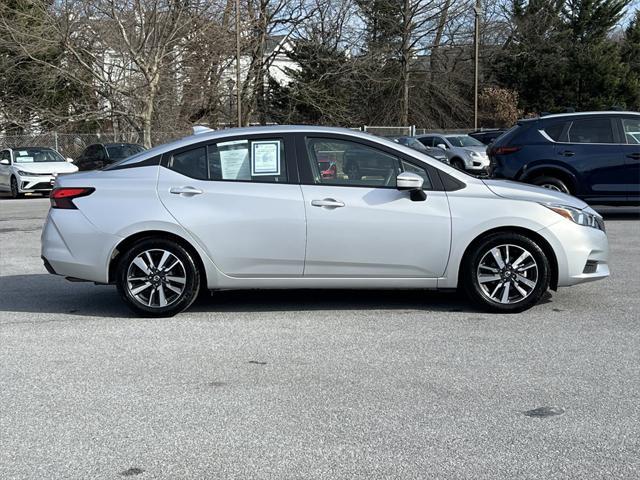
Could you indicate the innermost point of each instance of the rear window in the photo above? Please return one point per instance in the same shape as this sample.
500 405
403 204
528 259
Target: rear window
118 152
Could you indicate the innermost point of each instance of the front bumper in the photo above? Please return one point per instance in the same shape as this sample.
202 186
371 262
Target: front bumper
477 163
35 183
582 252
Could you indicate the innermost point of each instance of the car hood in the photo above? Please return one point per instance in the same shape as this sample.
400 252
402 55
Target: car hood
46 167
522 191
479 149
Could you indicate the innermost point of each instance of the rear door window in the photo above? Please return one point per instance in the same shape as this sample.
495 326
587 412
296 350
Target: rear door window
591 130
245 160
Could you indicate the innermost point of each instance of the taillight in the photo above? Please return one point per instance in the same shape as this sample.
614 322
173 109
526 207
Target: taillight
63 197
504 150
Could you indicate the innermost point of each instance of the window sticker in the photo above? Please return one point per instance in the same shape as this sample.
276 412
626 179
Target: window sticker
234 160
24 159
265 158
23 153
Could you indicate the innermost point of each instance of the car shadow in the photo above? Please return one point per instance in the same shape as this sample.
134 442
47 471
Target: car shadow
41 294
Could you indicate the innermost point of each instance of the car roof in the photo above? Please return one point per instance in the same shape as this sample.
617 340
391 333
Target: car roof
118 144
579 114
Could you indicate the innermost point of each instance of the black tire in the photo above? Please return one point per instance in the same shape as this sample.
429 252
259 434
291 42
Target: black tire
457 163
539 275
186 268
15 192
552 183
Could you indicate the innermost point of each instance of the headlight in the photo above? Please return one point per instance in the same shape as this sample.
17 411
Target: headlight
578 216
20 172
472 153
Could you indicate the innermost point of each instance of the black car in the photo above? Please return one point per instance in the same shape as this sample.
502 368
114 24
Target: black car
594 155
100 155
413 142
487 136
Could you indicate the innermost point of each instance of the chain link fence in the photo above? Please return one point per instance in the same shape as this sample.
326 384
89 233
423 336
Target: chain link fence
73 144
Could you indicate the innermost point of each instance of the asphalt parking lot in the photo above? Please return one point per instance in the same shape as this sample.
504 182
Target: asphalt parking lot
321 384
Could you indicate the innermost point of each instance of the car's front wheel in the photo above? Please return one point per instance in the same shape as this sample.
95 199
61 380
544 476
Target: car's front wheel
506 272
15 191
457 163
157 278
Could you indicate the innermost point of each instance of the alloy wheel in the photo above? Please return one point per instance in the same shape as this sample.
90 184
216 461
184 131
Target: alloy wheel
156 278
507 274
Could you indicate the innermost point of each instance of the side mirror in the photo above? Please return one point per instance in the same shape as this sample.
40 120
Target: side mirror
412 182
409 181
5 162
442 146
69 159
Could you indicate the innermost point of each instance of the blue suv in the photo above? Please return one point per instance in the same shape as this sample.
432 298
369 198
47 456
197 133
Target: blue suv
594 156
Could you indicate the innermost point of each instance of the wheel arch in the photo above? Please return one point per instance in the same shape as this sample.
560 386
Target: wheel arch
132 239
557 171
539 239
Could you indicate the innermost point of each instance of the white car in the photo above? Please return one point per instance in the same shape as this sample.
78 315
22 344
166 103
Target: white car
251 209
31 170
463 151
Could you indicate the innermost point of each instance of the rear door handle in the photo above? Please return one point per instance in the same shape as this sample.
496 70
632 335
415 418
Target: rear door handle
327 203
188 191
567 153
635 156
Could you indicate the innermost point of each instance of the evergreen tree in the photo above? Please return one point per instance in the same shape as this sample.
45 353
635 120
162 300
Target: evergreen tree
561 55
630 56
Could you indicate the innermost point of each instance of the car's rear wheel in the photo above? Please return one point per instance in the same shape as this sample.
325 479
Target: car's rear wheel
15 191
552 183
157 278
506 272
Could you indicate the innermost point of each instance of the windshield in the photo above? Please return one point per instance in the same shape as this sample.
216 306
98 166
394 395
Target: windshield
118 152
464 141
33 155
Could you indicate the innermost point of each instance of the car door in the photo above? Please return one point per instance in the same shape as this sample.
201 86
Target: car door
361 225
588 144
5 170
630 128
239 198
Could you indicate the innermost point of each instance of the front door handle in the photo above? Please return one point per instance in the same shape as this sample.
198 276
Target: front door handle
635 156
327 203
188 191
567 153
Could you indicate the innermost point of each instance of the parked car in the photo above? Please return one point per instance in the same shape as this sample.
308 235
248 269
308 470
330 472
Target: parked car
463 151
99 155
487 137
31 170
249 209
594 155
413 142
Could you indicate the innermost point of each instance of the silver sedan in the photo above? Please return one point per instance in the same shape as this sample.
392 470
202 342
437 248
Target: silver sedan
309 207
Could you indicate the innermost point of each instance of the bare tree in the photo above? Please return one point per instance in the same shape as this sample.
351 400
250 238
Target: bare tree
119 50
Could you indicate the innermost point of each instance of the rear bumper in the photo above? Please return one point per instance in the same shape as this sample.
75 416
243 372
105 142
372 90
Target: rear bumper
582 252
82 251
